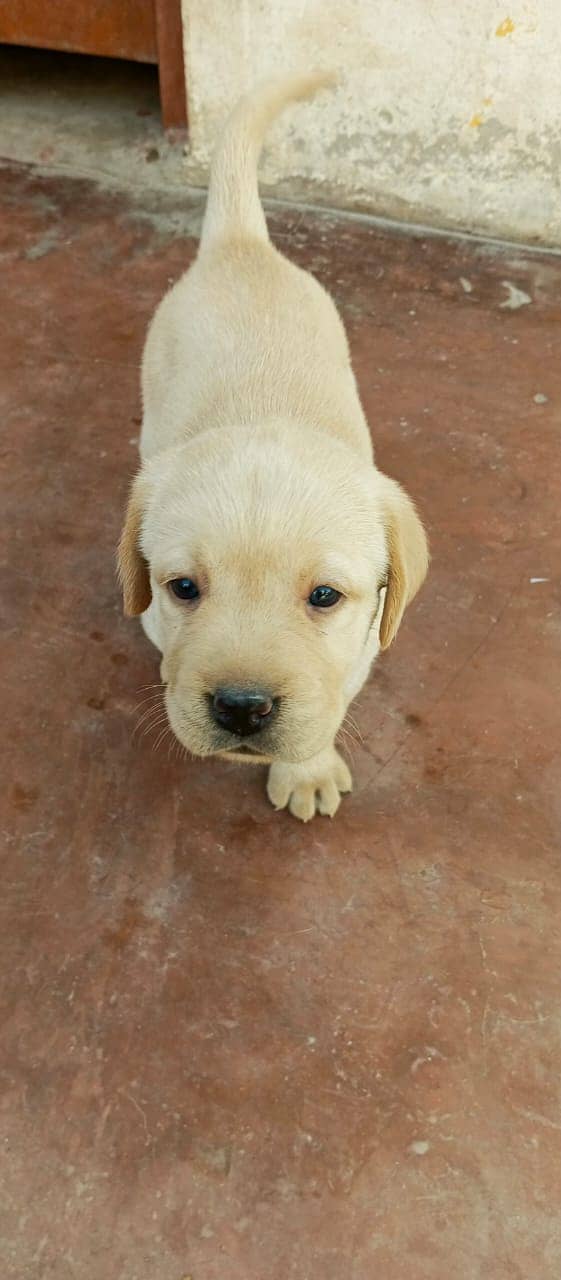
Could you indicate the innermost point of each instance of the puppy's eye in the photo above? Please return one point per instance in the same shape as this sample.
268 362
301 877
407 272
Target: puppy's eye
184 588
324 597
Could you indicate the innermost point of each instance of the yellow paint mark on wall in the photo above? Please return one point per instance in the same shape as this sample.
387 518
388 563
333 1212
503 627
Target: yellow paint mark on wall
476 121
487 102
505 28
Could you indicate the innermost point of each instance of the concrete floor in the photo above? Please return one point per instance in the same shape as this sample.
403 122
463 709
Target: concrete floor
233 1046
96 117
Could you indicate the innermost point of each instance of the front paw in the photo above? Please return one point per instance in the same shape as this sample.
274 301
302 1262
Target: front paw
316 786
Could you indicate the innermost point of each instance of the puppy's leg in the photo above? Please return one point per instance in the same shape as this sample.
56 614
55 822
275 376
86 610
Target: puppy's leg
149 623
315 786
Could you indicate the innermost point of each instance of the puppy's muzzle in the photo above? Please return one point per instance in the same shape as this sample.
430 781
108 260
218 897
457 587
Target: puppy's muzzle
243 712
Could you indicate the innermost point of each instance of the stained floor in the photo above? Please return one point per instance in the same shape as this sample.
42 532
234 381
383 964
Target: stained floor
232 1046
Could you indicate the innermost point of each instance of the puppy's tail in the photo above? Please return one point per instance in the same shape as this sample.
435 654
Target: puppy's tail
233 205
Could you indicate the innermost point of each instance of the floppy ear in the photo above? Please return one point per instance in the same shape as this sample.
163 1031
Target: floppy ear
408 557
132 566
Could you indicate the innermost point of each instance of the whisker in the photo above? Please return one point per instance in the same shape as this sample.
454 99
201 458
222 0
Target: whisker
353 733
150 697
349 725
144 713
176 749
162 737
350 720
347 741
155 715
154 724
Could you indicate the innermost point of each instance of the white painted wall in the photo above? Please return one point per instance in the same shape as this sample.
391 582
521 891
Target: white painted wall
449 113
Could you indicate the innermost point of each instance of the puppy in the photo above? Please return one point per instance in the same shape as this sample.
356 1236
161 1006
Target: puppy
269 558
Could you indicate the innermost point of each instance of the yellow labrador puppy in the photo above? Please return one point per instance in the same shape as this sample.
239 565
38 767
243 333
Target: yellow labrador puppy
269 558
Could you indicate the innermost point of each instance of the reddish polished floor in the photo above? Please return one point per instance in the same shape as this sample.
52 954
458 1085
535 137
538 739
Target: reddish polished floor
232 1047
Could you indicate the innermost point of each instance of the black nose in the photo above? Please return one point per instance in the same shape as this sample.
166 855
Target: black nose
242 711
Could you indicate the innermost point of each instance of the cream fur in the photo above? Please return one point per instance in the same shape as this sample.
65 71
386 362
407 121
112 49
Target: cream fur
258 480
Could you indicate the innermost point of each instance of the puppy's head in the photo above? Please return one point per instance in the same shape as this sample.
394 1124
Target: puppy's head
276 564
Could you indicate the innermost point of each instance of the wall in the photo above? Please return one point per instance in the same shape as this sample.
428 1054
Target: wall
449 113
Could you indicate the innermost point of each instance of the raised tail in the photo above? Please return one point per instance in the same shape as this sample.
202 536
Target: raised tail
233 205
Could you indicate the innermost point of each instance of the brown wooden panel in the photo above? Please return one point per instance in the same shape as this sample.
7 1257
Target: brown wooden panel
171 65
111 28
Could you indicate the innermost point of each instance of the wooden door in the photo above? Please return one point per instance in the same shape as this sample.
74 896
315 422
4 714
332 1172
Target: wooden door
140 30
